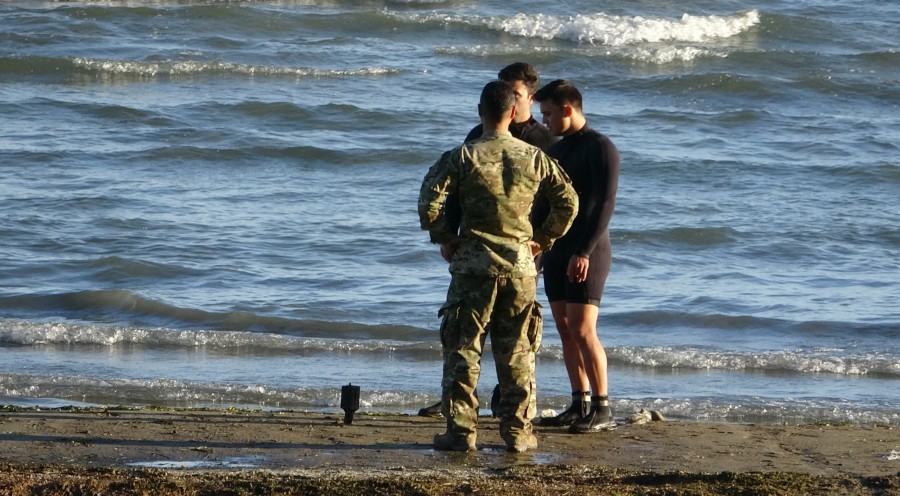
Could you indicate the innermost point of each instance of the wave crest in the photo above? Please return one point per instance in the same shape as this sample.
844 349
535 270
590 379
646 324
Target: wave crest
621 30
181 68
610 30
802 361
113 68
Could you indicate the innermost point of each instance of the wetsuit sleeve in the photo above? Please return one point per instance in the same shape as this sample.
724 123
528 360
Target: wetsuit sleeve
557 191
452 208
441 180
601 204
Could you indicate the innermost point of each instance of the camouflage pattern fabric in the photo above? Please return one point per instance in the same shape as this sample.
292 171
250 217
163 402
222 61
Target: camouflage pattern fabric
492 291
497 178
505 308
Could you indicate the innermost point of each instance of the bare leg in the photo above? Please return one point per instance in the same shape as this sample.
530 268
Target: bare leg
572 355
582 320
582 328
575 369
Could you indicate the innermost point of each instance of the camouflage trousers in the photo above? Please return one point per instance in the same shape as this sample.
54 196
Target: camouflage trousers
506 309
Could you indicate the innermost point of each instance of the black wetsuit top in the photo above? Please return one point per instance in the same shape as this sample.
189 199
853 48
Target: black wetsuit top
529 131
592 162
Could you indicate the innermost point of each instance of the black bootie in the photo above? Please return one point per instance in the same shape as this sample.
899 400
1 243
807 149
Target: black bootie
580 407
598 419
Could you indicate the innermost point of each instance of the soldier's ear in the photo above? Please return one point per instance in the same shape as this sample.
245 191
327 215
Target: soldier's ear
512 113
479 110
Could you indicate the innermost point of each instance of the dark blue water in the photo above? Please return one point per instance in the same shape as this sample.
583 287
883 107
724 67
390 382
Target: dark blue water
213 203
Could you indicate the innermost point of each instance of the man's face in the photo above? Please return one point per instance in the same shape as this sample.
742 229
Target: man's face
524 99
556 118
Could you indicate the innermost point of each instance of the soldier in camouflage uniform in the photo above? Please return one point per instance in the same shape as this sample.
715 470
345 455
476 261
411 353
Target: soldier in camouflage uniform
492 290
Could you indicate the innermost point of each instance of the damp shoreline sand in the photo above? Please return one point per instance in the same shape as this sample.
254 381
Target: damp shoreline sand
142 451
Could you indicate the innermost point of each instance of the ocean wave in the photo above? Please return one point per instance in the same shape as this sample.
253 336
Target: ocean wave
179 68
638 39
129 69
88 390
648 55
347 338
797 361
84 391
204 327
13 333
887 59
605 29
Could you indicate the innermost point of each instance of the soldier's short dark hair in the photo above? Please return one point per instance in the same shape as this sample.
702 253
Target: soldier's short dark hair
497 99
520 71
560 92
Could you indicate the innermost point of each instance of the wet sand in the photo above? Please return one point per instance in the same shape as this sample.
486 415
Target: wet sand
72 451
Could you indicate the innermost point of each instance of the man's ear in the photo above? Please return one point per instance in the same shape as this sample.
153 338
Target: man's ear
567 110
512 113
479 110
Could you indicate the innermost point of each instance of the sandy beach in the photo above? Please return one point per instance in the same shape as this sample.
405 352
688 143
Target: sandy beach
123 451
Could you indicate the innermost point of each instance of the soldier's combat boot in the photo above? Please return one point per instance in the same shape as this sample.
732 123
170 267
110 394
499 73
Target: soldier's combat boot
454 442
523 444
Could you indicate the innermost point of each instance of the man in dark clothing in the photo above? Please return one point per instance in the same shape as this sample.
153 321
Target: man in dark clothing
524 79
575 269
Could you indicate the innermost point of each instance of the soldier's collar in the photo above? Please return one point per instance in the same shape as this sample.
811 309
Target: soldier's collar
495 132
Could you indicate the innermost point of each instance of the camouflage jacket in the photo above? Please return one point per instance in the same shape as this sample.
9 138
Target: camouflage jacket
497 178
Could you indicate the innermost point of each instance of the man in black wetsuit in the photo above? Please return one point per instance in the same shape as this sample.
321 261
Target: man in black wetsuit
576 267
524 79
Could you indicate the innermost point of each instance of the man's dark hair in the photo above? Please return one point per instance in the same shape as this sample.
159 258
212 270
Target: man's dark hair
560 92
520 71
497 99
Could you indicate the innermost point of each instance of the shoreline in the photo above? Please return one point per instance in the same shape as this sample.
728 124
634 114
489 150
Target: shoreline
179 451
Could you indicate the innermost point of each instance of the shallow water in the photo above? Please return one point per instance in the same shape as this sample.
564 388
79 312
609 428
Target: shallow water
213 203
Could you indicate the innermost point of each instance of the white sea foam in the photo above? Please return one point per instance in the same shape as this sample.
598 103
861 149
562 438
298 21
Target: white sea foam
173 68
623 36
644 54
667 55
493 50
804 361
611 30
62 390
623 30
48 333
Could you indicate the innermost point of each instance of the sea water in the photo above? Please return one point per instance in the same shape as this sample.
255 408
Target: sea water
213 203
